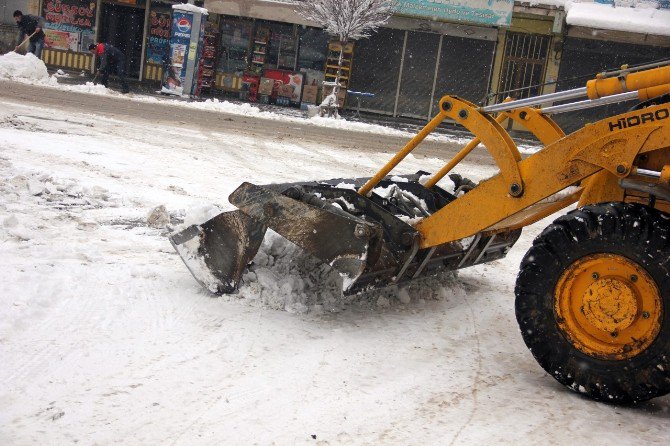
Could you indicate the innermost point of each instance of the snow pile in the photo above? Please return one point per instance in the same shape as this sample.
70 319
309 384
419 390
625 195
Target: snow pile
28 68
159 217
284 277
445 183
55 194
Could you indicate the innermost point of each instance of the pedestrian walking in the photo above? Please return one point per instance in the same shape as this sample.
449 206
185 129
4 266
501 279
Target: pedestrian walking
30 25
111 60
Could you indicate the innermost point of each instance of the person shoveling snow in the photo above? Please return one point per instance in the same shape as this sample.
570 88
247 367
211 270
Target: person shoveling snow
30 29
112 60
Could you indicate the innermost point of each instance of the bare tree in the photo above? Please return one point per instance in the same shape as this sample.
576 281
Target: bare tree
347 20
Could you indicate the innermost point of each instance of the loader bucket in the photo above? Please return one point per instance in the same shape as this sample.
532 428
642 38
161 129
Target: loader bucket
335 237
369 240
218 251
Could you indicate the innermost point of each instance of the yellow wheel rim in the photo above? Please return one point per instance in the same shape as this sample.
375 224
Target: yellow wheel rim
608 306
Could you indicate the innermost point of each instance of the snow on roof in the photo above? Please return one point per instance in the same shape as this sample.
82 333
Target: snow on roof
623 15
190 8
634 20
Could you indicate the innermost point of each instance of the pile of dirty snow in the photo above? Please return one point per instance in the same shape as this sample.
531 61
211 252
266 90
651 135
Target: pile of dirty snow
29 68
284 277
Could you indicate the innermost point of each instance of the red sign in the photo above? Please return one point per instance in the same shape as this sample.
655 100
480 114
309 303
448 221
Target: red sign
77 13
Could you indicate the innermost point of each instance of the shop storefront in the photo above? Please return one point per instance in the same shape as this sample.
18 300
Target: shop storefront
136 27
122 25
69 29
408 71
414 60
157 39
264 51
269 61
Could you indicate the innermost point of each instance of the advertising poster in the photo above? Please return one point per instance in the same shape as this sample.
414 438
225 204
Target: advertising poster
180 36
159 37
61 40
286 84
73 17
489 12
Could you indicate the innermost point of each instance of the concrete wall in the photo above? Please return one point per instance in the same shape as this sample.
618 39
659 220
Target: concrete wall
7 8
8 30
7 38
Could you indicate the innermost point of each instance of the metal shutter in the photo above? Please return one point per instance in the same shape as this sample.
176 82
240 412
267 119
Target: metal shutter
465 69
376 66
418 73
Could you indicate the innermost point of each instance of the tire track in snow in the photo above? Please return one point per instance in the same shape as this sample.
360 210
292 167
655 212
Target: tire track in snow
476 380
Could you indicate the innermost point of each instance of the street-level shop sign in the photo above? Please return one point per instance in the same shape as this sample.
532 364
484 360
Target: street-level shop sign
490 12
68 24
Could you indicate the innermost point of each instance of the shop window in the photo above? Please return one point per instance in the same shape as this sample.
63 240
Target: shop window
524 62
282 47
313 46
235 40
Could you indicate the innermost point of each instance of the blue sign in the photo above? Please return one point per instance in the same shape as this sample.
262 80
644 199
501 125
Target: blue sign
180 37
489 12
182 75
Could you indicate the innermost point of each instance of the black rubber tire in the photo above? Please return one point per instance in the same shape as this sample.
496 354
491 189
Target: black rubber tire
636 232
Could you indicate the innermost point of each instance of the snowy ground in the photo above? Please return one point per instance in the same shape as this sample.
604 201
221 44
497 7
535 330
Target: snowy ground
105 338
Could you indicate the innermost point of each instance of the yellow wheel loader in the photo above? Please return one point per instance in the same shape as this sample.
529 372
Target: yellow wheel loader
593 292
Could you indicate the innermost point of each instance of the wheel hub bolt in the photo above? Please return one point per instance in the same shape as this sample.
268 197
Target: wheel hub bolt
633 278
645 315
595 276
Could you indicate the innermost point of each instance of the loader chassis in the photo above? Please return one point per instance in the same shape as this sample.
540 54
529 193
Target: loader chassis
593 292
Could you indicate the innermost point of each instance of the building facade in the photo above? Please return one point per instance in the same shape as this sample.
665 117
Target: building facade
480 50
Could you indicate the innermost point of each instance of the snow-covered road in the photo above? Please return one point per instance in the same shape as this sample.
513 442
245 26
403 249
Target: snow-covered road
105 338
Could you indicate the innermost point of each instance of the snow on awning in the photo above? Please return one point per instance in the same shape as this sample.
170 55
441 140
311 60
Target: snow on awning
641 17
633 20
190 8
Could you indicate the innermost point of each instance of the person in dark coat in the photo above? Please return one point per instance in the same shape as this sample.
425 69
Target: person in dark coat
111 60
30 25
